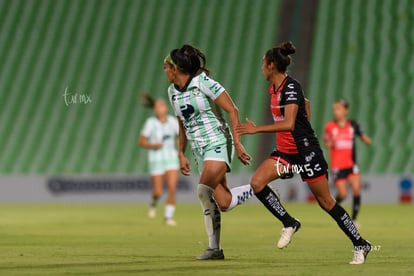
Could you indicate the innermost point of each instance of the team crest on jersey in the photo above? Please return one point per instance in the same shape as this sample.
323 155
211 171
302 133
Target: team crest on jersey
196 92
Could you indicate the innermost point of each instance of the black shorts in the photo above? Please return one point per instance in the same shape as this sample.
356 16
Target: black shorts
339 174
311 165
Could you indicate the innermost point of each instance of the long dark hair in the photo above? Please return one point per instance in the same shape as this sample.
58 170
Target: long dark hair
189 60
280 55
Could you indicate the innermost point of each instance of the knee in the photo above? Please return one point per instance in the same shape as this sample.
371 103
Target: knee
342 194
223 201
326 203
205 193
223 207
257 184
340 197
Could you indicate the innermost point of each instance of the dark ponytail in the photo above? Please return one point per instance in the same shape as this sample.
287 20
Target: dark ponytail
280 55
148 101
188 60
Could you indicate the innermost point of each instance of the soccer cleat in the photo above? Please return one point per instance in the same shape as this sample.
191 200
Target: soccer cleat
170 222
361 253
212 254
287 234
152 212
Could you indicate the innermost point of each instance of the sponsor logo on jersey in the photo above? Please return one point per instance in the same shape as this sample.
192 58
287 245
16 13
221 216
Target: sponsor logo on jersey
343 144
292 98
215 87
177 97
291 86
278 118
192 123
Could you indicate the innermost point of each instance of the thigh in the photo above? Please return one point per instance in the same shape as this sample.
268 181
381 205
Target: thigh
340 185
269 170
213 173
312 166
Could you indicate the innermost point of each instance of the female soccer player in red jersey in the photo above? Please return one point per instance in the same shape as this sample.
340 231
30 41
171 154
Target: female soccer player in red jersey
339 138
297 148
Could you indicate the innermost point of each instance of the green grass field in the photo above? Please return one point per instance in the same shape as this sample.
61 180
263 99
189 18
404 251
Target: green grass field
118 239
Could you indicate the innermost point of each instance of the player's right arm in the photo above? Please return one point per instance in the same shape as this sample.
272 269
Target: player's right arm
146 132
144 143
182 145
327 136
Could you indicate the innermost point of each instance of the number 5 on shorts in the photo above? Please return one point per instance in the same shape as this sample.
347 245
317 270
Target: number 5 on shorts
308 170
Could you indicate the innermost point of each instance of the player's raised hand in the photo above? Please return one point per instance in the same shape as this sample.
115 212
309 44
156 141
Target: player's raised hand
242 154
185 166
248 128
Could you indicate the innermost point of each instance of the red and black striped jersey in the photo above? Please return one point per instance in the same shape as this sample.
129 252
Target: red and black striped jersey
342 152
303 137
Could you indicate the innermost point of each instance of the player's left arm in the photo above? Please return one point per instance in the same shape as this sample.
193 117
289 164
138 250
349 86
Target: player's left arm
358 131
226 103
308 109
366 139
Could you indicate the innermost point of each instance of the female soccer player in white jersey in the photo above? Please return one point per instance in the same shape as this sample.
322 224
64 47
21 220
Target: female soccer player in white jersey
198 102
159 136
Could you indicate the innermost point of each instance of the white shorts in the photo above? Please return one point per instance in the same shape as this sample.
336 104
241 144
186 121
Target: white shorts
159 167
222 153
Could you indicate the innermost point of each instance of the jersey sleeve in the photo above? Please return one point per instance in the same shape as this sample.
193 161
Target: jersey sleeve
292 93
174 124
357 129
147 129
170 98
327 135
210 87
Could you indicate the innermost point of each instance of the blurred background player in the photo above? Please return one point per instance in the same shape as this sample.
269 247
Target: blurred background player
198 102
339 138
297 146
159 136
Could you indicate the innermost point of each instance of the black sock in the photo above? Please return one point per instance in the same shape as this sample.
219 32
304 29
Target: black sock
338 199
269 199
355 206
344 221
154 202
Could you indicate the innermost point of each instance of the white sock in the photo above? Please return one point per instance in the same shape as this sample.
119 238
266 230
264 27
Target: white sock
169 211
212 216
240 194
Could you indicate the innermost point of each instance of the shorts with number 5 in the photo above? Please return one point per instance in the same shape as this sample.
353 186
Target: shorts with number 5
310 164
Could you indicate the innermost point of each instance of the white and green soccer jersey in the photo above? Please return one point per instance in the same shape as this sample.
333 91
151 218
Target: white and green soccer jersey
165 158
202 119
